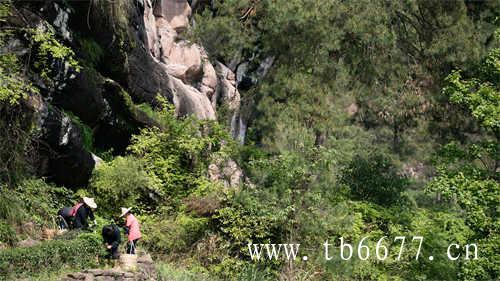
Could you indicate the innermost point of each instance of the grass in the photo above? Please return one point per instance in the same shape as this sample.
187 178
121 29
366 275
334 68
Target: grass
170 272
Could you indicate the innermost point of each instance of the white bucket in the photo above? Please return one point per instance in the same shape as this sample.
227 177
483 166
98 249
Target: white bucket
128 262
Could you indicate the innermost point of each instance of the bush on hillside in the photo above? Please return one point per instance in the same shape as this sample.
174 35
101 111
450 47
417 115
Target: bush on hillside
42 209
7 234
50 256
120 183
374 178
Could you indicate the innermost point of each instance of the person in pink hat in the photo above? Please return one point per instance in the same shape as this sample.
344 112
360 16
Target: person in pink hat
132 229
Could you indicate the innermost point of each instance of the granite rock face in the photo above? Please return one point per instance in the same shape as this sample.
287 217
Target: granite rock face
131 52
62 155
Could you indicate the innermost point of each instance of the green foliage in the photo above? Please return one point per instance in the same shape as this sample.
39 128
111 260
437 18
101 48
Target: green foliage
16 143
480 95
375 221
247 220
477 197
178 153
4 10
292 195
388 56
374 178
384 62
7 234
15 123
12 208
13 87
169 272
467 174
50 51
252 272
121 183
172 236
41 209
50 256
222 37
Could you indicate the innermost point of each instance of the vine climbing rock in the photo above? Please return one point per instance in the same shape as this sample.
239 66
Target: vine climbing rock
145 272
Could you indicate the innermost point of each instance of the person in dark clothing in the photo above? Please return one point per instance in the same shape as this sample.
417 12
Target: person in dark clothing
112 239
65 213
83 213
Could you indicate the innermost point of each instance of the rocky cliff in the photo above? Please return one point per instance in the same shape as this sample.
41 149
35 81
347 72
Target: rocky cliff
129 52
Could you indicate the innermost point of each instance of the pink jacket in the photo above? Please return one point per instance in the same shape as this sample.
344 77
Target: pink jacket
134 231
75 209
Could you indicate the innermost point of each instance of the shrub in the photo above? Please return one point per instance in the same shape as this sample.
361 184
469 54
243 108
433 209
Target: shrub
7 234
50 256
249 221
50 52
169 272
179 153
121 183
164 235
11 209
374 178
41 209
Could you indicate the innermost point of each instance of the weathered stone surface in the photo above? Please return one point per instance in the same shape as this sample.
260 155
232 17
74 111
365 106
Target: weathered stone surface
97 160
186 54
176 12
228 93
148 78
105 278
28 243
209 79
123 121
108 109
61 21
145 272
164 36
85 89
352 109
228 172
416 171
188 100
151 29
144 58
146 259
77 276
63 158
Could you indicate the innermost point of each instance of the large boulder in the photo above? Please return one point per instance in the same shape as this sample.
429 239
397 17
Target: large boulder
176 12
164 36
123 119
209 79
147 78
187 56
62 157
143 58
105 107
189 101
228 172
151 29
83 97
